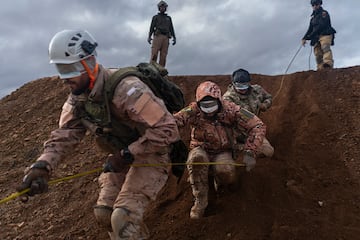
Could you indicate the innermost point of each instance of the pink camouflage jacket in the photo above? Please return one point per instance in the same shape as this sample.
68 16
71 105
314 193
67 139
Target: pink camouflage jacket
216 134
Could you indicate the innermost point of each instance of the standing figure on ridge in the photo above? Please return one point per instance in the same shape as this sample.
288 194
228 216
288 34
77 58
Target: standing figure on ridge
254 99
212 121
162 29
321 35
133 126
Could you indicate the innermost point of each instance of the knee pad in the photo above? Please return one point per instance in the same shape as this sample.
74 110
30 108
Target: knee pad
269 151
126 226
123 226
103 216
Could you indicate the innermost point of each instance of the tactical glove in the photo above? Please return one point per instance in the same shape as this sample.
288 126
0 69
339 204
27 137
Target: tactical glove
249 160
263 107
36 178
149 40
174 41
118 161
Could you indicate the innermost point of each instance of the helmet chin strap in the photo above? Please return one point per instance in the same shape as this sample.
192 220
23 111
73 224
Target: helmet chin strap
92 74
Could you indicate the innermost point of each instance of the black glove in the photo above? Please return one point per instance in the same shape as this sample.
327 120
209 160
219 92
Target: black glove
174 41
118 161
36 178
149 40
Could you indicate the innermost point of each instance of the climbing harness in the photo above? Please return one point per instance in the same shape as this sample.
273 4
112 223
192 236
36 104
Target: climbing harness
52 182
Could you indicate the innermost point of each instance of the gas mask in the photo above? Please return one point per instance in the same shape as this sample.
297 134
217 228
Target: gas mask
209 106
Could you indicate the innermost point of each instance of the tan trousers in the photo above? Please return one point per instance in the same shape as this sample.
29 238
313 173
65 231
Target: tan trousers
160 44
323 53
133 188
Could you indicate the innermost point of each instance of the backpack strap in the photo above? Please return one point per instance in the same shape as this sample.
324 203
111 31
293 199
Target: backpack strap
116 78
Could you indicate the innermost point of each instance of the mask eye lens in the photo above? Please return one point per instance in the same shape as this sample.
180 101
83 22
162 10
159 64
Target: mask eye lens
209 106
240 86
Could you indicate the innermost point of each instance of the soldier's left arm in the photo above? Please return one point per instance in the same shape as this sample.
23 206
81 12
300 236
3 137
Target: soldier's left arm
139 103
255 127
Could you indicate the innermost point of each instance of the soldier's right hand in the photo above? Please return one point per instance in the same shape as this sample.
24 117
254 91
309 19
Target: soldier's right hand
36 178
149 40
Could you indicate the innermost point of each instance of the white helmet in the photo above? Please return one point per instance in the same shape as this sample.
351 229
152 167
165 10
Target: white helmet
70 46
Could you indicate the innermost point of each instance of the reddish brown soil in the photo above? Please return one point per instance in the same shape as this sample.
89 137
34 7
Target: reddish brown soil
308 190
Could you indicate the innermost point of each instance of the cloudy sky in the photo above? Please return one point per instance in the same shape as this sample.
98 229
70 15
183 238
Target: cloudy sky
213 37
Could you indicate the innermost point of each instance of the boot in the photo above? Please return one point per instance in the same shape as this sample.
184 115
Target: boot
198 209
126 226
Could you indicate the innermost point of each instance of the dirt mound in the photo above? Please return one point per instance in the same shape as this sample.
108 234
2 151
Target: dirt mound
308 190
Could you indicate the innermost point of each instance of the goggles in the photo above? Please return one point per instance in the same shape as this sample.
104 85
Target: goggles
241 86
209 106
69 70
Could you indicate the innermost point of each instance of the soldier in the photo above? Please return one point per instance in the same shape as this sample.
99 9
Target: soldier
321 35
162 29
254 99
212 121
141 132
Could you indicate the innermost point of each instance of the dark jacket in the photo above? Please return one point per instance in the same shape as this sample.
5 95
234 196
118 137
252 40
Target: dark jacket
162 24
320 25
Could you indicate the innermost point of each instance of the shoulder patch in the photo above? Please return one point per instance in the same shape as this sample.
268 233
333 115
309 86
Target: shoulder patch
148 109
324 14
186 109
245 114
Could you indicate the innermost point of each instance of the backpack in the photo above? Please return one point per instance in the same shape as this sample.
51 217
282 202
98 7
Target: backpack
155 77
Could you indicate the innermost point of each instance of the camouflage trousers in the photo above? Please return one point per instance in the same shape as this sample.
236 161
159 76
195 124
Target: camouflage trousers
132 189
323 53
160 44
224 174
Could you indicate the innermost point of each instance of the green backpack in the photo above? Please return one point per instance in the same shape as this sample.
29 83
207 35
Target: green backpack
155 77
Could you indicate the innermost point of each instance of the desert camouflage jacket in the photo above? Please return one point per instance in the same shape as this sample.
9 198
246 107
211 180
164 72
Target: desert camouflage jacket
251 101
133 104
216 134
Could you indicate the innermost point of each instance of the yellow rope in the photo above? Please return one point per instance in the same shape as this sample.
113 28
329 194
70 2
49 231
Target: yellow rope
282 79
17 194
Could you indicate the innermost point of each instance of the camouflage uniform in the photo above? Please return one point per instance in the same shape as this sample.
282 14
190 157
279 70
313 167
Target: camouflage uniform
131 189
162 28
211 140
255 100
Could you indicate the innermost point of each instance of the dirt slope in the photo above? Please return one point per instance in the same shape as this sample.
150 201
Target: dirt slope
308 190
